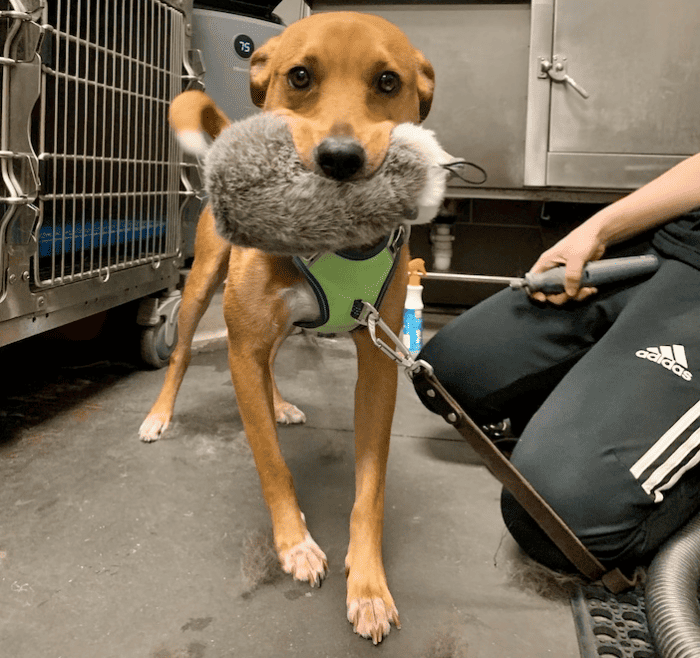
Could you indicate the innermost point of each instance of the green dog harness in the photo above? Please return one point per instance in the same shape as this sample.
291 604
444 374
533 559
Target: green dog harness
341 278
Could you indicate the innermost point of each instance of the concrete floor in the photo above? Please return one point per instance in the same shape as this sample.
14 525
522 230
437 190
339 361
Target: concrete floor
110 547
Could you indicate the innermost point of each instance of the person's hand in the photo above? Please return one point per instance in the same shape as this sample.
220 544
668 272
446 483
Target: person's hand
573 251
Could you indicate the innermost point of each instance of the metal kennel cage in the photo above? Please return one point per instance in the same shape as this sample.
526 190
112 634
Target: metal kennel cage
93 182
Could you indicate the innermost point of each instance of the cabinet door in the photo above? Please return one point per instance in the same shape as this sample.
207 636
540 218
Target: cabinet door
638 63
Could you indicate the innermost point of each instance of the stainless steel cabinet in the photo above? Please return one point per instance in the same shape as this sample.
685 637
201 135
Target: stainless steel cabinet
614 91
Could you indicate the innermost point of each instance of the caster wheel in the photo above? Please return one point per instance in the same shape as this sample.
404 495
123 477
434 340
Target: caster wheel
155 346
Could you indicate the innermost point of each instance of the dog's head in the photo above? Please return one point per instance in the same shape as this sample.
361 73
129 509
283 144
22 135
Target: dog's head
343 80
335 161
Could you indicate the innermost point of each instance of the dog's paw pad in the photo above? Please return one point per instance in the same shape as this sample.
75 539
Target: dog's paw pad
372 618
287 414
153 427
305 561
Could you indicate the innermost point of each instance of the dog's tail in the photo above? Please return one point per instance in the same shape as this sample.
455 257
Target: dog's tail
197 121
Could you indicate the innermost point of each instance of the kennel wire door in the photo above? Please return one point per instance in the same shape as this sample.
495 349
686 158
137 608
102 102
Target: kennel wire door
93 179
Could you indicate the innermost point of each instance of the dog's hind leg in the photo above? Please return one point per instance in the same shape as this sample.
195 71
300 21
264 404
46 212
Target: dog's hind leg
285 412
208 272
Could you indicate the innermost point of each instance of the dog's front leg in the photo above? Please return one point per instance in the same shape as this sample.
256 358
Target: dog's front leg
208 272
370 605
249 358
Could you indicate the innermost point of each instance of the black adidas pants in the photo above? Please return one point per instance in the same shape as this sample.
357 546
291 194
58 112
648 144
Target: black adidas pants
605 395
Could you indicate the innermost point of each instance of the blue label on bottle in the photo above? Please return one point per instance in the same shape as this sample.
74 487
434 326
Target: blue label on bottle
413 330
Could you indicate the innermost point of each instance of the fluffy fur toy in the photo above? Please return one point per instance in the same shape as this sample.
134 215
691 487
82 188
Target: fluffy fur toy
262 196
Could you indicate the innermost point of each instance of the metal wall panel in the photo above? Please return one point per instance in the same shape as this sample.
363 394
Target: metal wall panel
480 56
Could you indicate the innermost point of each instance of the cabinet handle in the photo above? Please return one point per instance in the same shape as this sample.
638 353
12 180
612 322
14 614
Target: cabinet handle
556 71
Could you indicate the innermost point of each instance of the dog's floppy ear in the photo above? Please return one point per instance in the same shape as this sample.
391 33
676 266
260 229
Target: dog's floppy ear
425 84
196 120
261 71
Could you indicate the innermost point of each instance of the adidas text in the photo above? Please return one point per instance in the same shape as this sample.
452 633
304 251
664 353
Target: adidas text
666 362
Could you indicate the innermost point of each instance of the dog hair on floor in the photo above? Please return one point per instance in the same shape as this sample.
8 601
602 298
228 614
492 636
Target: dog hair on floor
527 575
259 563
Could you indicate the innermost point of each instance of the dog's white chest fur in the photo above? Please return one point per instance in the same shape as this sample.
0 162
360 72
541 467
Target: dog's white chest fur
301 303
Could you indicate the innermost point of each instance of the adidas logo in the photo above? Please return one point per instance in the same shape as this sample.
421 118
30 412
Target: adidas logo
671 357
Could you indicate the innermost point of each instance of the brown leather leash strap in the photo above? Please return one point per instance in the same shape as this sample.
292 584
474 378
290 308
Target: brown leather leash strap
441 402
436 398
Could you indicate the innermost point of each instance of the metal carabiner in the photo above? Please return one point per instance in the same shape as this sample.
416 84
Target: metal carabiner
368 316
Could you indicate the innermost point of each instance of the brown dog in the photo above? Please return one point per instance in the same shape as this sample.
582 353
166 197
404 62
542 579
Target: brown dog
343 80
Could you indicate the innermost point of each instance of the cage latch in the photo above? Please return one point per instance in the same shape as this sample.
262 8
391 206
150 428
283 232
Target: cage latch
25 37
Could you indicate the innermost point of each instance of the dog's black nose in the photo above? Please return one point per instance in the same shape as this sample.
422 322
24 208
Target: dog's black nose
340 157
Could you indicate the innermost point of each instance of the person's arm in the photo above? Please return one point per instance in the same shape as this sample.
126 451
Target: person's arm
674 193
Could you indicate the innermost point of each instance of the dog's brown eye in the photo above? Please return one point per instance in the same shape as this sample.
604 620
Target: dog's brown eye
388 82
299 77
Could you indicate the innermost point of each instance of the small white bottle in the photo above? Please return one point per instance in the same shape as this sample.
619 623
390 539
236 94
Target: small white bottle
412 334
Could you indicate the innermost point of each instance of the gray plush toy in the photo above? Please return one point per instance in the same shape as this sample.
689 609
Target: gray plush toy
263 197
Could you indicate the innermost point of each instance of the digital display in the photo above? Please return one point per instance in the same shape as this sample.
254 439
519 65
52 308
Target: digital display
244 46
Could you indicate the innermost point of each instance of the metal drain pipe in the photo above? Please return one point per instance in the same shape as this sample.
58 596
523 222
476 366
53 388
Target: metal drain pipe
672 594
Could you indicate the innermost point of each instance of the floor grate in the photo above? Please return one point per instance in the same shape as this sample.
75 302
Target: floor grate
611 625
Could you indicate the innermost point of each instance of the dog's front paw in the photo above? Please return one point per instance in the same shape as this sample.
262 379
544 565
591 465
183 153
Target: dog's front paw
371 608
372 617
305 561
153 427
287 414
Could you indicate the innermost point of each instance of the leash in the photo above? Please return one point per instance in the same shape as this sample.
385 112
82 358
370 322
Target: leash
438 400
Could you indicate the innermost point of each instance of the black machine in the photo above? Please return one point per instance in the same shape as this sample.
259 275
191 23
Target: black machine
253 8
